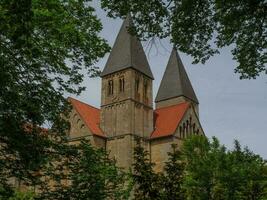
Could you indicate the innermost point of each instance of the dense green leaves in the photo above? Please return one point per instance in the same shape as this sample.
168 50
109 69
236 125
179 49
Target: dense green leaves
146 181
213 172
202 170
22 196
174 176
153 12
44 46
83 172
201 27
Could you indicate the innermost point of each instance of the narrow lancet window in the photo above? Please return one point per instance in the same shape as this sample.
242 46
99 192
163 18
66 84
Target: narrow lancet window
137 84
122 82
145 88
110 87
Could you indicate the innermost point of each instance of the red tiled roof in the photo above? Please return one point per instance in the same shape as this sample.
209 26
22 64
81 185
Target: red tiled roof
167 119
89 114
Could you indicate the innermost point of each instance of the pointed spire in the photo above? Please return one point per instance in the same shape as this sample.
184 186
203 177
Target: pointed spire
127 52
175 81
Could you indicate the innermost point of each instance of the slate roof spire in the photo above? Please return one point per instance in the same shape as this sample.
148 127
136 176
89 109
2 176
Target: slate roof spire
127 52
175 81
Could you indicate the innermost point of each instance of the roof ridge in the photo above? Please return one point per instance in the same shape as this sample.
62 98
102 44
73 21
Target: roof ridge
173 105
175 81
84 103
82 116
171 115
127 52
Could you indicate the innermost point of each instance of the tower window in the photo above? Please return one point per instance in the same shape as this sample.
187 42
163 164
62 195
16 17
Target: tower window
110 87
137 84
122 84
145 91
145 88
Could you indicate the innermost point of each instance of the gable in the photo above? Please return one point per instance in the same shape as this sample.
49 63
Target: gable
89 115
78 128
189 125
167 119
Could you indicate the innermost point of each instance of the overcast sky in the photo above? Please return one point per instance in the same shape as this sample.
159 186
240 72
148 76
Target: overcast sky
230 108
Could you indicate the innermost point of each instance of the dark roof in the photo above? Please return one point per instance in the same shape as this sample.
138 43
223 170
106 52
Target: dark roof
175 81
127 52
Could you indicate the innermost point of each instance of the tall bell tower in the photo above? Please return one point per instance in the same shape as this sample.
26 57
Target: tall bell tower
126 96
175 86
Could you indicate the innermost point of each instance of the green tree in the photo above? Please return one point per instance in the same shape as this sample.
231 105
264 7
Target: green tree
173 176
198 181
214 173
84 173
246 175
145 180
202 170
44 48
202 27
22 196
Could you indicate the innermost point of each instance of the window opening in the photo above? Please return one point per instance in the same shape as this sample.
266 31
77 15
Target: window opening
110 87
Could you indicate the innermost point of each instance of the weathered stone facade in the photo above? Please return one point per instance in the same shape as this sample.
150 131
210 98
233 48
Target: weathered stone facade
126 112
127 106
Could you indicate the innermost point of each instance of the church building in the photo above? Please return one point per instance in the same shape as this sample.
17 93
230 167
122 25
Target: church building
127 111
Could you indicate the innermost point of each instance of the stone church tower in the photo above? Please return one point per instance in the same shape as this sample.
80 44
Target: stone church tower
127 105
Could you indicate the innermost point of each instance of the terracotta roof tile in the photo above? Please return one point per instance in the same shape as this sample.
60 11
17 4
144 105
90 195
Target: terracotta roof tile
90 115
167 119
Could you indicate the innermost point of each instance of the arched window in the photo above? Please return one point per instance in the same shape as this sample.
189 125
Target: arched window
121 85
188 128
184 133
145 91
145 88
137 80
110 87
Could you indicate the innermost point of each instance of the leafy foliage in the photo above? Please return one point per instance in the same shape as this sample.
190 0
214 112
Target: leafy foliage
174 175
146 181
44 46
84 173
214 173
149 184
202 170
201 27
22 196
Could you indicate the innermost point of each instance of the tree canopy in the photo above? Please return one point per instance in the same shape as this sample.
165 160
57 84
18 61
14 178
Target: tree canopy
44 45
203 170
201 28
81 171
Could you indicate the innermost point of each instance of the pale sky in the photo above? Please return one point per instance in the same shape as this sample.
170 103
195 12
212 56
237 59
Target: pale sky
230 108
